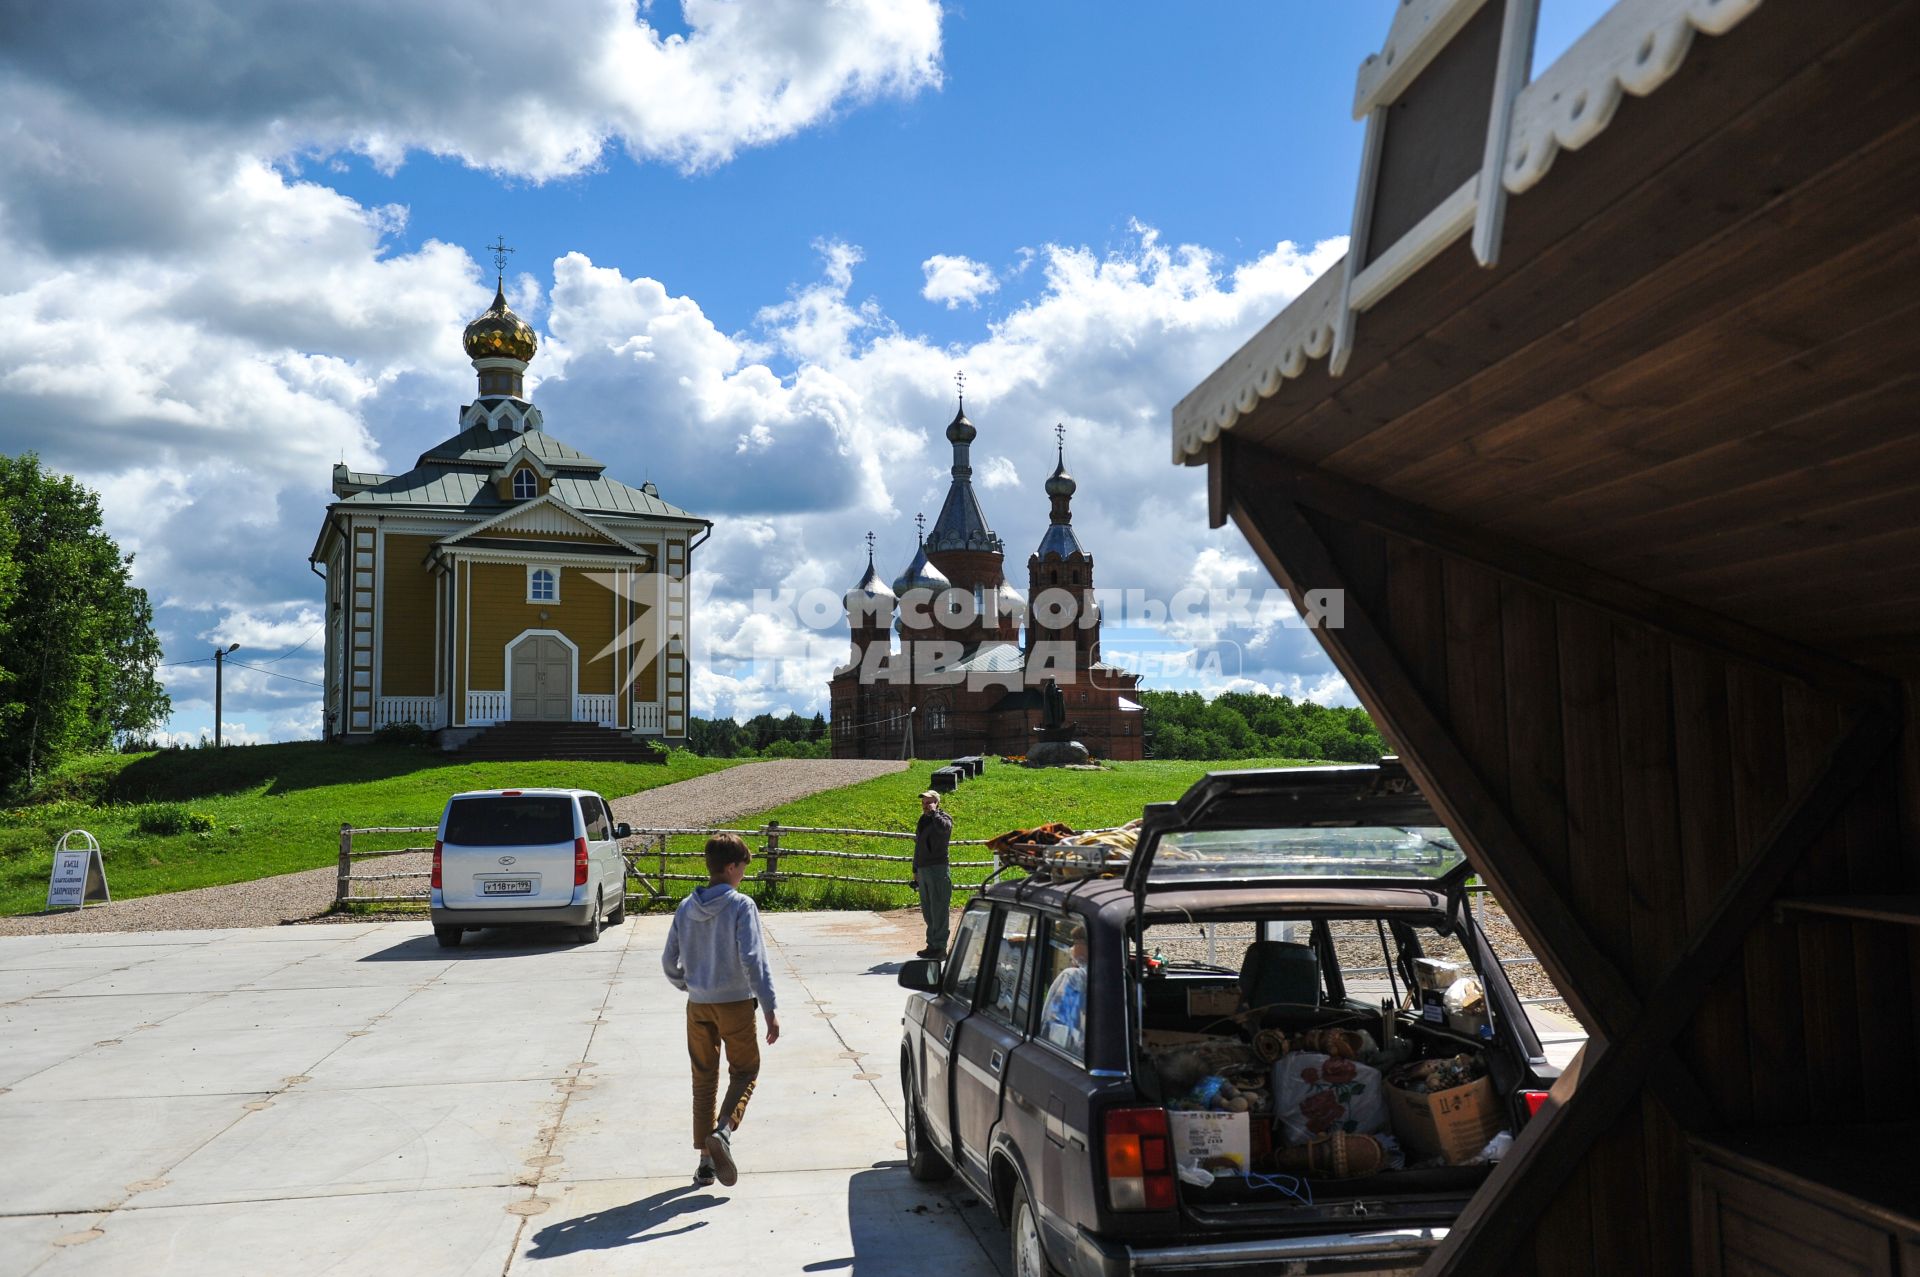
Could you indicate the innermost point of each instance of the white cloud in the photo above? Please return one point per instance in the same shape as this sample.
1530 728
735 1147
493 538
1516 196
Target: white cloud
957 281
542 97
997 472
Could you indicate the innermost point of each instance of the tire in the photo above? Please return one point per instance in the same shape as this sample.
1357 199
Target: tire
1029 1251
619 914
449 937
923 1159
590 932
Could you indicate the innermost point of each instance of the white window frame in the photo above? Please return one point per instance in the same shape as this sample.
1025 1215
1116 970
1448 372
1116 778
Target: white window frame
533 572
533 484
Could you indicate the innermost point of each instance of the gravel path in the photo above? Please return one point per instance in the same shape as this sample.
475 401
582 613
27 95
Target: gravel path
707 800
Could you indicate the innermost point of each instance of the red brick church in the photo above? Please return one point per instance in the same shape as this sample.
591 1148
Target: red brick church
961 680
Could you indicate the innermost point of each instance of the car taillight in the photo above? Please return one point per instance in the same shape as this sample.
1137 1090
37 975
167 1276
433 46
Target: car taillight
1139 1160
1536 1100
434 881
579 862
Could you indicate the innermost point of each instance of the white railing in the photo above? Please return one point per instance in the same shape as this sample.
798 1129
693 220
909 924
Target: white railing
486 708
646 716
593 709
423 710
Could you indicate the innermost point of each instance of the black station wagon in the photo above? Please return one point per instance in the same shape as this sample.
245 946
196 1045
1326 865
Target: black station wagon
1036 1060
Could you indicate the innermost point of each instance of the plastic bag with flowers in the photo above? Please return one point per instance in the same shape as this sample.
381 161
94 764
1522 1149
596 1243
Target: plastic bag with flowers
1315 1094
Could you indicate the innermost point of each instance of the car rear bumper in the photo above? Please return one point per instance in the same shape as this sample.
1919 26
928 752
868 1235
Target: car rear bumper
1395 1251
573 915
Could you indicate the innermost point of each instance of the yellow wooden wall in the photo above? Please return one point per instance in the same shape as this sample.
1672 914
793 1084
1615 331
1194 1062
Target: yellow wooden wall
407 617
499 611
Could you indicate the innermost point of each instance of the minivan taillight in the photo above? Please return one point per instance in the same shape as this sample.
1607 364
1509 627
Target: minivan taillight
579 862
1535 1101
434 881
1139 1160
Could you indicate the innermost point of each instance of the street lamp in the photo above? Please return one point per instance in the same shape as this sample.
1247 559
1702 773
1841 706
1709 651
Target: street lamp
219 659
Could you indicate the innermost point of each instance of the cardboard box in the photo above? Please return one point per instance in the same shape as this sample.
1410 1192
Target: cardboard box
1218 1141
1454 1124
1219 999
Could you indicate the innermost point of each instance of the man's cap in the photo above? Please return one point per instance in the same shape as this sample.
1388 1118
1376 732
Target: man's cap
928 793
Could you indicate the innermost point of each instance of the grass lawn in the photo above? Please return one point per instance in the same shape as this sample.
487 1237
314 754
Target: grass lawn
261 809
1006 796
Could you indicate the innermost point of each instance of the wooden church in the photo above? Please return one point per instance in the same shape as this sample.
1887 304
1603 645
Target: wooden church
505 579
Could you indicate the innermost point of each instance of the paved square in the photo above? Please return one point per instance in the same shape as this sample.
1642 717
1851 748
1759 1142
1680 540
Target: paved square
355 1099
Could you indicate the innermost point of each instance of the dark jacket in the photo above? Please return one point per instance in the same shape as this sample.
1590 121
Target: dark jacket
930 838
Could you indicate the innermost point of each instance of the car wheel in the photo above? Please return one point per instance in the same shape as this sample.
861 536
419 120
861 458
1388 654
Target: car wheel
1029 1254
449 937
591 931
619 914
923 1159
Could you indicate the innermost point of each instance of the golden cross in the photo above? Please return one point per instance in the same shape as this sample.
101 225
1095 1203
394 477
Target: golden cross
499 250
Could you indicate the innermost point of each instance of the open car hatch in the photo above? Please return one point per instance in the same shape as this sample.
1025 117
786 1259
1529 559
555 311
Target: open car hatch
1355 824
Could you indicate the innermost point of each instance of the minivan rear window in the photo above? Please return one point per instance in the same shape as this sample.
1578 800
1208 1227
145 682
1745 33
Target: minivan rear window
527 820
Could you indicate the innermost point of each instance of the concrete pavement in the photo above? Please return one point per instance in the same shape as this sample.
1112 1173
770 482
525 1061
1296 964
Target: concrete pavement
347 1099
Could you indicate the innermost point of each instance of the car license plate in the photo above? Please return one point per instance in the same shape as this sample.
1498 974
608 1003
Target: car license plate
507 887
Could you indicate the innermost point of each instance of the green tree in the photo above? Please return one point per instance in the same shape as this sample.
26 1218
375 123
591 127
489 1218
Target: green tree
77 647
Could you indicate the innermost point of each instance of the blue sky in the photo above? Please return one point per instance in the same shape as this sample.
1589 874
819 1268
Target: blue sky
237 263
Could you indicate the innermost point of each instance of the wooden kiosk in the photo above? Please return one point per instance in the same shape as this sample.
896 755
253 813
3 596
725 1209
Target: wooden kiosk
1606 427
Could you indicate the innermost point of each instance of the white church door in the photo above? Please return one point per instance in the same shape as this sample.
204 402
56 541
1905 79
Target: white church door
542 678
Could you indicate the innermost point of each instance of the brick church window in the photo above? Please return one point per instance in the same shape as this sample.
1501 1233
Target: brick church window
525 485
937 719
543 585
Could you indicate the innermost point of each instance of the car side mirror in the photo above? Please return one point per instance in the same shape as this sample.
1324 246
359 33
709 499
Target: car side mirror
921 975
623 830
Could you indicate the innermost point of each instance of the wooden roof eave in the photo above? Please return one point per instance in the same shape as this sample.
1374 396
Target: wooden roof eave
1634 49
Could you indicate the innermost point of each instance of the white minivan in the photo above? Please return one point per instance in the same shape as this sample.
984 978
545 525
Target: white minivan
513 857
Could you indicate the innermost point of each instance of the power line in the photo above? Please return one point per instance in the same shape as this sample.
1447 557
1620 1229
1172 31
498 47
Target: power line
198 660
296 647
261 669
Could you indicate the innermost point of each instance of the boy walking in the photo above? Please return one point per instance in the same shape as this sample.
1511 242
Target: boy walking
932 875
717 956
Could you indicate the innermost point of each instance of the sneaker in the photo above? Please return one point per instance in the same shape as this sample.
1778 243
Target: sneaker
703 1174
720 1149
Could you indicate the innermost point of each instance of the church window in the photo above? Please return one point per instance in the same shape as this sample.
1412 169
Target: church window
1076 576
525 485
937 718
543 585
1053 577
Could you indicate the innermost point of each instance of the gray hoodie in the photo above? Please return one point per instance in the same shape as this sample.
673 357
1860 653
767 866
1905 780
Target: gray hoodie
715 952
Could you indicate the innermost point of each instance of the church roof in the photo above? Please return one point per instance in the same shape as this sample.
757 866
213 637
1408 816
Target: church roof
1059 539
480 446
474 492
962 525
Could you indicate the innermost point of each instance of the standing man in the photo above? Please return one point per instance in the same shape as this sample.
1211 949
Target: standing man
932 877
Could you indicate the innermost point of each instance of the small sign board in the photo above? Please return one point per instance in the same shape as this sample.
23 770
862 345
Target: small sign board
79 874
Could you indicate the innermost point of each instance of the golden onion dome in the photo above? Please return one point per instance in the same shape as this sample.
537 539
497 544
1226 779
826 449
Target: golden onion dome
500 334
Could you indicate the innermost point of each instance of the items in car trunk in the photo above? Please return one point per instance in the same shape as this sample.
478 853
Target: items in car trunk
1335 1155
1466 1006
1444 1108
1316 1094
1211 1141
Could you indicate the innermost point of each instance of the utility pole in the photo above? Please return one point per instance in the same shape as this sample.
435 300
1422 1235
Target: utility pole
219 663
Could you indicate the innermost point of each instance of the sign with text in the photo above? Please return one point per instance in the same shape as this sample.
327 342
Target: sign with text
79 874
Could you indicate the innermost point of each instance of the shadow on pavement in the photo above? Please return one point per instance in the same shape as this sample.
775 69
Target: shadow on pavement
884 968
623 1225
493 942
889 1228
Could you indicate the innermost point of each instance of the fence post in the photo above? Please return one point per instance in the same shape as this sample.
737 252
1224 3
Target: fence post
771 874
663 865
341 885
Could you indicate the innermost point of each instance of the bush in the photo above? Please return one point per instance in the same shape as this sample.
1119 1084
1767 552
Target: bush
199 822
163 819
401 734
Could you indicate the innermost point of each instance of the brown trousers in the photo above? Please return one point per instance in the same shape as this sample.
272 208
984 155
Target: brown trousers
711 1025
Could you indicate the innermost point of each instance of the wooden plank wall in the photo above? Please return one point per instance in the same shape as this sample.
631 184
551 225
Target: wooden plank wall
1643 768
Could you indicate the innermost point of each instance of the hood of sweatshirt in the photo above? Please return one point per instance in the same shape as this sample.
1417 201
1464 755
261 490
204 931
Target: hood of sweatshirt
709 901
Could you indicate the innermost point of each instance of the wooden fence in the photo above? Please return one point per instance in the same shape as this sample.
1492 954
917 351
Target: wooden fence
652 860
